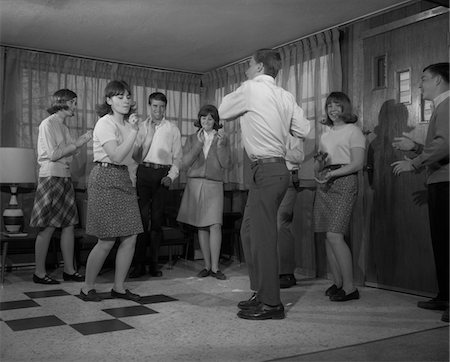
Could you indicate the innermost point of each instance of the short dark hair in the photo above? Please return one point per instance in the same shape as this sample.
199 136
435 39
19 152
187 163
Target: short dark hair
271 60
114 88
59 100
342 99
204 111
439 69
157 96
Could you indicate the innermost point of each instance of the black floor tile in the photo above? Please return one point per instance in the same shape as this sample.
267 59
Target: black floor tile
47 293
129 311
18 304
110 325
33 323
157 298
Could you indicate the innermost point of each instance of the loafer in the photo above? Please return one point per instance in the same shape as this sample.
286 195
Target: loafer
444 317
76 277
127 295
287 281
203 273
251 303
341 296
137 272
332 290
45 280
90 296
433 304
263 312
218 275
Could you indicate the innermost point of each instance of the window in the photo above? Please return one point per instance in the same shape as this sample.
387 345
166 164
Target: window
404 86
380 72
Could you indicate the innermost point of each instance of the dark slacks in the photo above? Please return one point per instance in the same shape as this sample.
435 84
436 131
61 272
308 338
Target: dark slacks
438 211
151 198
259 229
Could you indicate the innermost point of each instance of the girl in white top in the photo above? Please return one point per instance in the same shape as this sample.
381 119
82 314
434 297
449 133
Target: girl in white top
54 204
341 156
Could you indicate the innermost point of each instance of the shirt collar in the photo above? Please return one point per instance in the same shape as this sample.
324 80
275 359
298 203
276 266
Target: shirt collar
264 78
440 98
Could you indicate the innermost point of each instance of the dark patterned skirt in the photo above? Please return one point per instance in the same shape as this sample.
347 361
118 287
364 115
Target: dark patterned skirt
333 204
202 203
112 209
54 203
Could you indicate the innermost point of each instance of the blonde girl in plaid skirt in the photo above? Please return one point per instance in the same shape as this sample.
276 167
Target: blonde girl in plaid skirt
341 156
113 211
54 204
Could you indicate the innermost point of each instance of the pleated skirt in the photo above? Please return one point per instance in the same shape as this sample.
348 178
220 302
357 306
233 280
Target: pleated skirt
333 204
112 209
54 203
202 203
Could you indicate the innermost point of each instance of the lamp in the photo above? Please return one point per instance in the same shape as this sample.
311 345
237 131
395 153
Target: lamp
17 167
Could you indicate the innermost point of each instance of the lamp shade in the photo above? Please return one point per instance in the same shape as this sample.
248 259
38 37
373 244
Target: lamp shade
17 165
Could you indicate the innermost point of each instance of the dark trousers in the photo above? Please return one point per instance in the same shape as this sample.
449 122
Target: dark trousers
438 211
151 199
259 229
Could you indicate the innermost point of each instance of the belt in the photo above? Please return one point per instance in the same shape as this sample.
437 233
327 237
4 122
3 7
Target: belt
334 167
261 161
154 165
111 165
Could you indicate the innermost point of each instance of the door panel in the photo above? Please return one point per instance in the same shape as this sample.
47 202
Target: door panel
400 255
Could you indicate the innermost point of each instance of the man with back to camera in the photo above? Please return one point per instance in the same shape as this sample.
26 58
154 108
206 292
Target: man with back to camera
434 155
159 159
268 113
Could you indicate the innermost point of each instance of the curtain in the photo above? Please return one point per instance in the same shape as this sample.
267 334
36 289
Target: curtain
31 77
311 69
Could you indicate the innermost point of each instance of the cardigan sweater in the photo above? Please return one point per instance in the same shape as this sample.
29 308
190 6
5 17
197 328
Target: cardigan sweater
212 166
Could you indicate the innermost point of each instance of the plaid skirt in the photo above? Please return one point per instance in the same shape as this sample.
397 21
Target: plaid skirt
333 204
112 209
202 203
54 203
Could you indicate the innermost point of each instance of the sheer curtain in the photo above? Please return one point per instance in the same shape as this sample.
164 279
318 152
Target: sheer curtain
31 77
311 69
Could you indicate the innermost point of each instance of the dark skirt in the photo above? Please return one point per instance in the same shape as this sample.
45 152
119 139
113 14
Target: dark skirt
202 203
333 204
54 203
112 209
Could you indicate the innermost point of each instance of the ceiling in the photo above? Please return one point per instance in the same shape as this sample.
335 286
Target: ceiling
187 35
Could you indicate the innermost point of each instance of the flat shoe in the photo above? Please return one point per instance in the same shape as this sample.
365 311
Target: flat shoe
218 275
127 295
45 280
332 290
252 303
341 296
91 296
76 277
263 312
203 273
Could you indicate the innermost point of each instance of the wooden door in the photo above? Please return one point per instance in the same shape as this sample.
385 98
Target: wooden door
399 253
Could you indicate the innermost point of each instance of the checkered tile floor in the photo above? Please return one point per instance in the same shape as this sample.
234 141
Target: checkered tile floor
87 328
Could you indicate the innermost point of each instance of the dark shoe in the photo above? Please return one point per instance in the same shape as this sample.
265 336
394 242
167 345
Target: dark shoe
253 302
76 277
433 304
91 296
287 281
127 295
341 296
137 271
218 275
332 290
444 317
155 273
45 280
203 273
263 312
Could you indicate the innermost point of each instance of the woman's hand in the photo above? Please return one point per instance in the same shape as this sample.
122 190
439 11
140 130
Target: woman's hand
222 139
324 177
134 121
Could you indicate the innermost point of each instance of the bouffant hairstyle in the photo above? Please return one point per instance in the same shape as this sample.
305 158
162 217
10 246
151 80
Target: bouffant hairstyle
204 111
114 88
342 99
271 60
60 99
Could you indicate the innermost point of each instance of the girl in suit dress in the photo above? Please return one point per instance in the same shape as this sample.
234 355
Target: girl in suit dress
206 155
